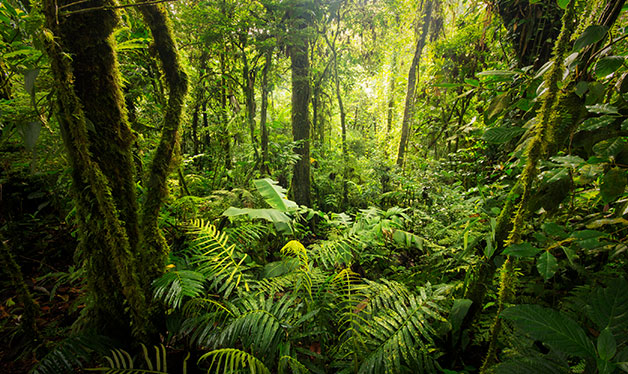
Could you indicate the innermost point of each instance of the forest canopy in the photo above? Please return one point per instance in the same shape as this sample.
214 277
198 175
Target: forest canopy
314 186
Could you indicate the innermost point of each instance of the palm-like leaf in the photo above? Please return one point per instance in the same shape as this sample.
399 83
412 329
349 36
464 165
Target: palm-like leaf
174 285
400 335
218 260
230 360
70 353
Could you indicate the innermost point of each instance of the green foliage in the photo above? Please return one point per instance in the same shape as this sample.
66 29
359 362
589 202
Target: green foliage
604 306
72 352
232 360
551 327
217 259
121 362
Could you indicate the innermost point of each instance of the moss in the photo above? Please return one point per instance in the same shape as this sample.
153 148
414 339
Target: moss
106 220
155 247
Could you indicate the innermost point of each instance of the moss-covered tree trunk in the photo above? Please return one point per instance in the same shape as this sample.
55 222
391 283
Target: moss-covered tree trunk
96 133
300 65
264 111
121 253
408 110
155 248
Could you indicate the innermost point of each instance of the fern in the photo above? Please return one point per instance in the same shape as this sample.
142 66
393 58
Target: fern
349 294
297 250
259 324
70 353
293 364
120 362
337 252
217 260
231 360
246 233
386 295
174 285
400 336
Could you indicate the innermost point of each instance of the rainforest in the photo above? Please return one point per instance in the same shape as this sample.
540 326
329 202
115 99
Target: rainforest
314 186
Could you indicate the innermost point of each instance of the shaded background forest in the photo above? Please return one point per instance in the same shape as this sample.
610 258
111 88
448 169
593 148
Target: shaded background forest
314 186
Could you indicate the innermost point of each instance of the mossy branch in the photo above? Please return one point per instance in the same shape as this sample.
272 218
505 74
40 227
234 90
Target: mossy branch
155 247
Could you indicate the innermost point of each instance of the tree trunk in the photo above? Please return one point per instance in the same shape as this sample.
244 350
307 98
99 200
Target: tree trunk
89 97
408 111
263 112
300 66
391 98
224 132
249 95
155 246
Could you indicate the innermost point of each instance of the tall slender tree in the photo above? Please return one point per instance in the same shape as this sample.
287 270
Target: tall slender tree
299 14
408 111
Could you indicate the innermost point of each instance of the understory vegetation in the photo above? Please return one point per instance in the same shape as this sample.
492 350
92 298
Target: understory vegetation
305 186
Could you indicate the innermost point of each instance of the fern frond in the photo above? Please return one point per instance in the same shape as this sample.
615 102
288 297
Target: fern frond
120 362
174 285
259 324
296 249
386 295
295 366
217 259
231 360
246 232
70 353
337 252
203 305
398 337
349 291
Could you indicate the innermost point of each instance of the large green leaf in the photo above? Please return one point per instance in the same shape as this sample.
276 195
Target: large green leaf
497 106
563 3
609 307
608 65
591 34
29 80
547 265
277 217
553 328
595 123
610 147
30 133
606 344
521 250
613 184
270 215
274 194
